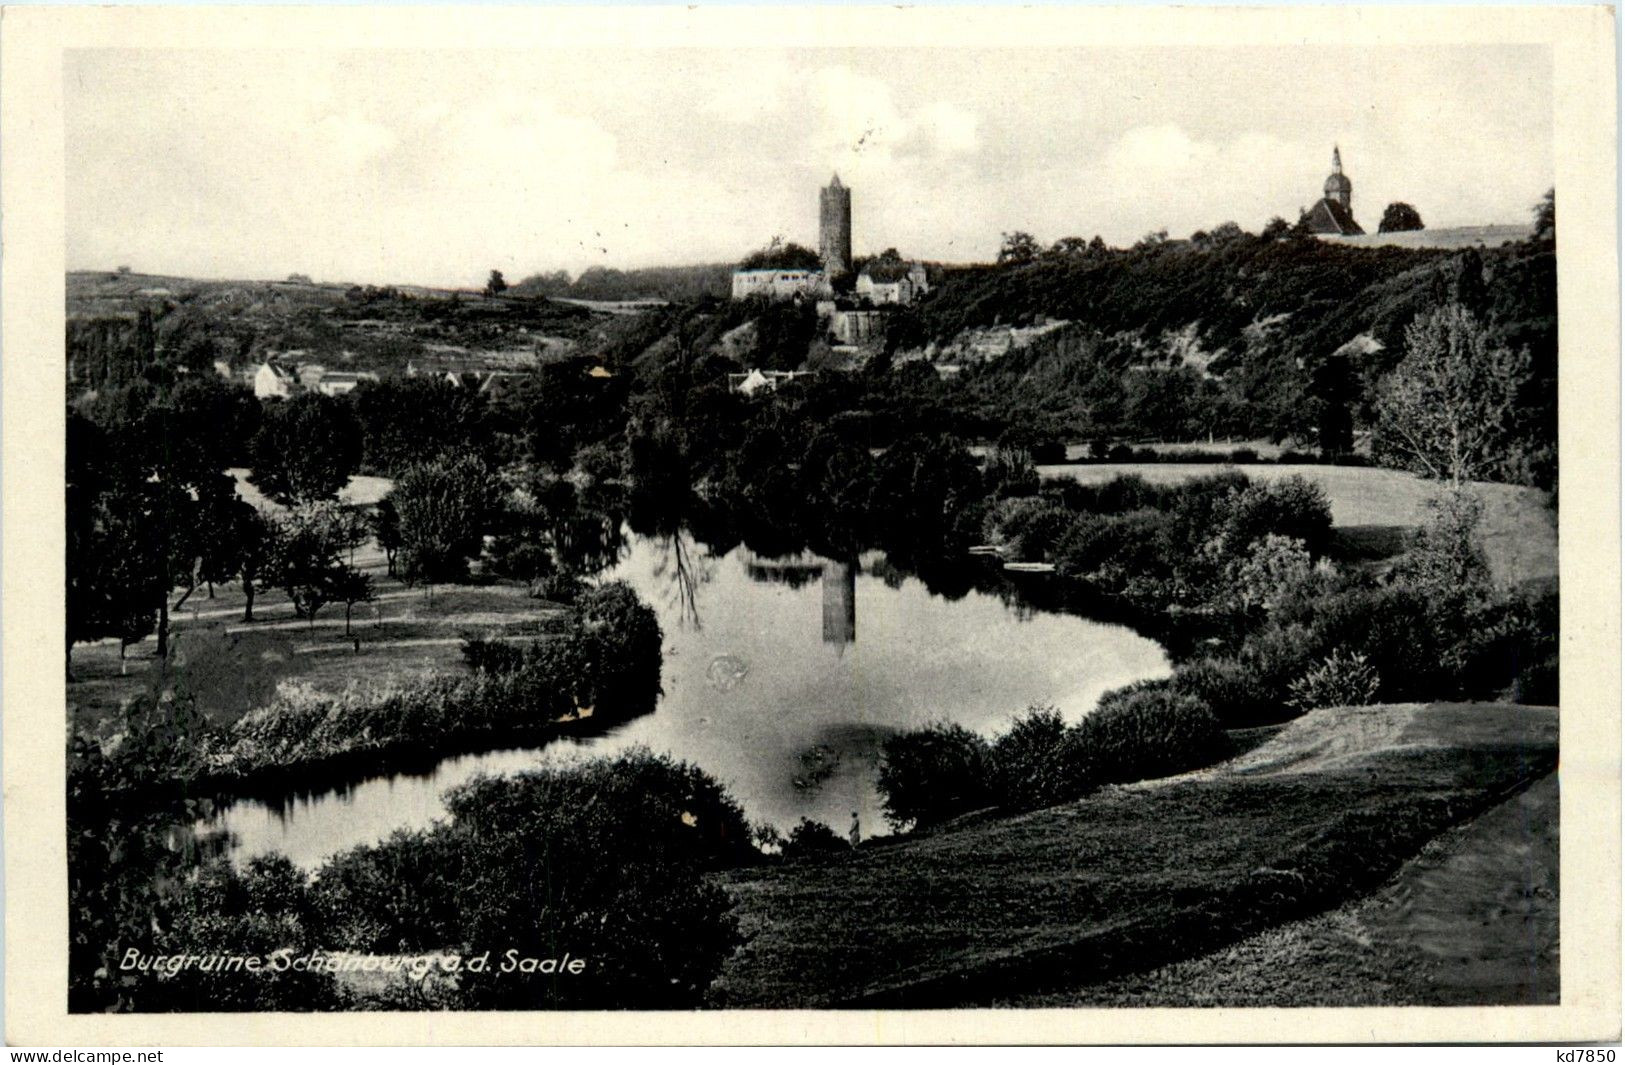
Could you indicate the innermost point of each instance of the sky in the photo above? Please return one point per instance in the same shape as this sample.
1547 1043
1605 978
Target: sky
435 167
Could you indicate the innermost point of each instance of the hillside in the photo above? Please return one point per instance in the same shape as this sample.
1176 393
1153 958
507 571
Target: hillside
118 323
1239 337
1063 898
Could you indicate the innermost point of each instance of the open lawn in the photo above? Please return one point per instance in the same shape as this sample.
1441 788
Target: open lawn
233 667
1130 878
1373 508
1472 920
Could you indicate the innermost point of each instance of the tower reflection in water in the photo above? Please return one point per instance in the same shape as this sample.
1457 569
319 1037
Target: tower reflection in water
840 603
838 581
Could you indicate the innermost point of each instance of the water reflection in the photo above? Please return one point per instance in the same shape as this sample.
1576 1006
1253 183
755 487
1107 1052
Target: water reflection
769 685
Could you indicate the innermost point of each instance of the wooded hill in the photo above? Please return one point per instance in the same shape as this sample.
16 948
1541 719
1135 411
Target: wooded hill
1234 335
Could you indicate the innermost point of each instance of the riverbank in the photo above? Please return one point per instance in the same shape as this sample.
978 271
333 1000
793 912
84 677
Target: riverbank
603 666
1324 811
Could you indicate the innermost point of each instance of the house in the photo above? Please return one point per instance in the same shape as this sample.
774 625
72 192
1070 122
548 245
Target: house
338 383
274 381
892 282
756 381
778 284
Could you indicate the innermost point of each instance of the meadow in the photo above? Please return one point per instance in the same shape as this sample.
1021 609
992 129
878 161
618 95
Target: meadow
1372 508
988 909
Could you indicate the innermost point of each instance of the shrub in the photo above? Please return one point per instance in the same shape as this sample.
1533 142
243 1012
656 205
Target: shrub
1291 507
606 859
1272 569
1147 730
1029 526
1108 548
932 774
599 462
1231 689
812 839
265 908
1341 679
1036 762
559 588
491 656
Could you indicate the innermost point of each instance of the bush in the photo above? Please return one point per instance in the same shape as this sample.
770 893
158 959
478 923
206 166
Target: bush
930 775
1291 507
563 588
1036 762
1231 689
1273 568
1341 679
598 462
1030 527
1147 730
605 860
813 839
491 656
1106 549
216 909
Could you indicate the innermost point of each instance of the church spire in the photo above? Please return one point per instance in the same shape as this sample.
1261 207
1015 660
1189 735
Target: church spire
1337 160
835 181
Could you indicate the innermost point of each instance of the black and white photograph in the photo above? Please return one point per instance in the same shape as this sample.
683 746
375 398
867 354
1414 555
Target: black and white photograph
874 526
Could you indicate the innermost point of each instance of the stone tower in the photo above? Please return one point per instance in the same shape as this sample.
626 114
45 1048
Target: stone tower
1339 189
835 228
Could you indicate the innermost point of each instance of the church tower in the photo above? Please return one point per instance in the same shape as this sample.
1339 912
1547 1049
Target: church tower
835 228
1339 189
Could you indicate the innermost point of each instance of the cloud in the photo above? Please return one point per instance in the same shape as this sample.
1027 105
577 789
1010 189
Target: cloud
953 129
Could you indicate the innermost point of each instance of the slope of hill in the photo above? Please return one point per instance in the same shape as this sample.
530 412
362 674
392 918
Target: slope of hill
1132 877
120 322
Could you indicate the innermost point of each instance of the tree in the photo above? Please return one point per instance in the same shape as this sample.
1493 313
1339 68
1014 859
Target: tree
1399 217
386 530
306 555
1018 248
932 774
1443 411
1275 229
444 508
781 256
350 586
407 420
116 568
1546 216
496 285
253 539
306 449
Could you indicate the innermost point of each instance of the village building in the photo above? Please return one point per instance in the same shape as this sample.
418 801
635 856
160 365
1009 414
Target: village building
754 381
337 383
274 381
892 282
778 284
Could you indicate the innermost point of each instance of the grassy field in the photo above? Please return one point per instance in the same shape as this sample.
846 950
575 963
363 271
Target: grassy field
1324 811
233 666
1372 508
1472 920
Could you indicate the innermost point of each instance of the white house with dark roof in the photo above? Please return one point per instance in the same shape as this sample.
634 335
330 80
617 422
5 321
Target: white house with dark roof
273 380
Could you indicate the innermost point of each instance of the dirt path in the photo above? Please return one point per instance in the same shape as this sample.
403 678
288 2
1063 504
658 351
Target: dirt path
1472 920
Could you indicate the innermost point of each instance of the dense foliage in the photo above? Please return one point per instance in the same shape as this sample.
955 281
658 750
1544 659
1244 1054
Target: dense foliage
602 862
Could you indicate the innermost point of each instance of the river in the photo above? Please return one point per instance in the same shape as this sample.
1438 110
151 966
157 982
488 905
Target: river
781 678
